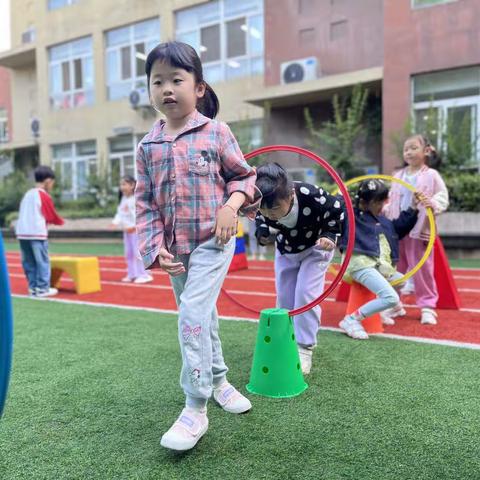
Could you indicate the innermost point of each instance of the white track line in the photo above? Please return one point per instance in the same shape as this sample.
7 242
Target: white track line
446 343
232 292
257 278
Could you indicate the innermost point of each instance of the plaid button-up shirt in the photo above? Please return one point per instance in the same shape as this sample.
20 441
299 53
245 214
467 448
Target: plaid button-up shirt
183 181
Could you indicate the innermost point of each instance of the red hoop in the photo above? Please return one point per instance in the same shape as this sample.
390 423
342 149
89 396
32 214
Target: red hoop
350 215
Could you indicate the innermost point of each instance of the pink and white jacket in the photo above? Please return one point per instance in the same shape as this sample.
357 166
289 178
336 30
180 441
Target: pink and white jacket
36 211
431 184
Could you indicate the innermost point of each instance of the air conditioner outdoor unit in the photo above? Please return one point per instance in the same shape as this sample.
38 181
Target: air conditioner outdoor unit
35 127
301 70
138 98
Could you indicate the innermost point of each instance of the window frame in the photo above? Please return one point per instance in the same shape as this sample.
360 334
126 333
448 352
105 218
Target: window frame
224 62
135 81
71 93
443 106
429 5
66 3
4 136
120 155
76 190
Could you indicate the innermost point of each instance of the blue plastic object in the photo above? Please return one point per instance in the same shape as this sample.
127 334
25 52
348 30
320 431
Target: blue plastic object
6 328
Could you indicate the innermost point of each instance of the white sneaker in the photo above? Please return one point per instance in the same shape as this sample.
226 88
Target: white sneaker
144 279
391 313
353 328
429 317
408 288
187 430
305 355
51 292
387 318
32 292
230 399
262 257
126 279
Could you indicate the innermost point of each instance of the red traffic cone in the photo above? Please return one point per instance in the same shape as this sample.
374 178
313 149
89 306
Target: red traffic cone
448 297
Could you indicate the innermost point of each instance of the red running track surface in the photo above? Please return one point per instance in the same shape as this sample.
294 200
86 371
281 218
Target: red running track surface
256 288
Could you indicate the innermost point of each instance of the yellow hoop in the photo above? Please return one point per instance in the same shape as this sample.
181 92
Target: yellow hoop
431 220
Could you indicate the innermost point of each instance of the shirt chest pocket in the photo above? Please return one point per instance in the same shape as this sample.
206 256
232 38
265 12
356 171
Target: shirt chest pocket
202 162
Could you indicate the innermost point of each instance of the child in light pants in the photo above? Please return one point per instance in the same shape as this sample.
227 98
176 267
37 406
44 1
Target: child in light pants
375 254
125 218
192 182
308 222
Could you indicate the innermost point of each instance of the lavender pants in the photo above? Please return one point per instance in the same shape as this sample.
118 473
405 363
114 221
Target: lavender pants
135 266
411 251
299 279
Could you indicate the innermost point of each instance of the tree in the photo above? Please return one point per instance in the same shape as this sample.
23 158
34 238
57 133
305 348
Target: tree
340 139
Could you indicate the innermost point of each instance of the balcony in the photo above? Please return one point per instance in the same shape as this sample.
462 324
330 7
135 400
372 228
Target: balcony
19 57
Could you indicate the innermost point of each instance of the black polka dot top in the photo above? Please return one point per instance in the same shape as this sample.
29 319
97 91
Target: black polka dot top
319 215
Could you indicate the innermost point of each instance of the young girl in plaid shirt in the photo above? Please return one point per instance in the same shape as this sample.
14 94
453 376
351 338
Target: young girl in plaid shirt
192 180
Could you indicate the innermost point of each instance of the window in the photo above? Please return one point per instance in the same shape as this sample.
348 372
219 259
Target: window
71 74
55 4
338 30
446 103
74 163
249 134
228 36
3 125
122 157
126 52
428 3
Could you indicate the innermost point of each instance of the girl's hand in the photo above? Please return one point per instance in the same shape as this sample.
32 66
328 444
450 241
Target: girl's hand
226 224
131 230
423 199
325 244
165 261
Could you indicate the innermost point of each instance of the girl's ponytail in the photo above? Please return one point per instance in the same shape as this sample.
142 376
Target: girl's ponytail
209 104
433 159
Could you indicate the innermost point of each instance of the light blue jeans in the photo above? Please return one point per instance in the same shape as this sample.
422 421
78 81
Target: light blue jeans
300 279
36 264
374 281
196 293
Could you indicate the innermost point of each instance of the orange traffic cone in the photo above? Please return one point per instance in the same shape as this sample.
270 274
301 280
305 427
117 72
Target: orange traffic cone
448 297
358 296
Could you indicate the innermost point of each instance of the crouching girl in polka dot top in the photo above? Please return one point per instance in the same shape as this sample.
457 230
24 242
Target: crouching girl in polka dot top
307 223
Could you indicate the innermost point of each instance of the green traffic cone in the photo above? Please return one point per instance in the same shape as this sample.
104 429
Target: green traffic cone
276 370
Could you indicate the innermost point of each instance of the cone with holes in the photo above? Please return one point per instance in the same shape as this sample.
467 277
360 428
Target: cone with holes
357 297
276 370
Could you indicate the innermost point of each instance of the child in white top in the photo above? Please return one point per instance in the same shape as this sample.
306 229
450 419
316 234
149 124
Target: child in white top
125 219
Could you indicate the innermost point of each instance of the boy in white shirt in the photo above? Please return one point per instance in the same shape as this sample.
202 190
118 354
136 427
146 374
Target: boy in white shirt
36 212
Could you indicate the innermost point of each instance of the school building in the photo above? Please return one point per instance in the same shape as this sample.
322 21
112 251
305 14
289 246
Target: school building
78 85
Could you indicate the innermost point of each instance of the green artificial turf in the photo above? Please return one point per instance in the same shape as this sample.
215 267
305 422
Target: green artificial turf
83 248
93 389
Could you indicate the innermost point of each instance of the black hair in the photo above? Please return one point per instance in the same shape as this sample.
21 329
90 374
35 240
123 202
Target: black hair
371 190
274 184
129 179
433 160
42 173
184 56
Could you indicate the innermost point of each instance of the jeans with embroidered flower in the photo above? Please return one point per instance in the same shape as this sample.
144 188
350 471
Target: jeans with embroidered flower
196 292
374 281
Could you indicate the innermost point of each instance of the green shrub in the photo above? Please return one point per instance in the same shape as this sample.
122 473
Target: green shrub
464 192
12 189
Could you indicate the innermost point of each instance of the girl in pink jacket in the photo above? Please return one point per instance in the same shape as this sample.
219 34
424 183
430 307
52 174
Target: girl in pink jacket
419 156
